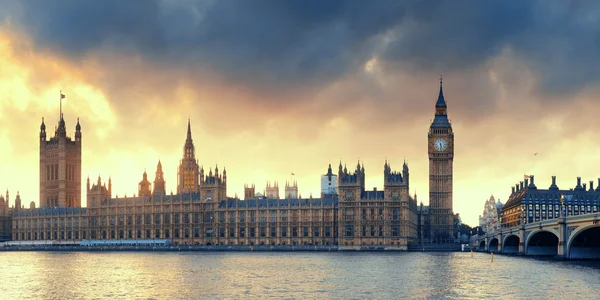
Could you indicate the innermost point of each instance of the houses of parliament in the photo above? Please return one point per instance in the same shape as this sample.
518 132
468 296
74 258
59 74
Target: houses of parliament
200 213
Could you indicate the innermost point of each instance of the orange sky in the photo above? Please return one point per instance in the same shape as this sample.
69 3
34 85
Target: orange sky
133 112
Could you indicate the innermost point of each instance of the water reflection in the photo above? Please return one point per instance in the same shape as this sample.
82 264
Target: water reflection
291 275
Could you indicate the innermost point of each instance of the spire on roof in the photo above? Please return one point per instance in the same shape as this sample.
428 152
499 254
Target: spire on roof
189 131
440 101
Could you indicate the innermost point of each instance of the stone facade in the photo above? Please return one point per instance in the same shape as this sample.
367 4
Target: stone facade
201 213
5 218
376 218
528 204
205 215
489 221
60 167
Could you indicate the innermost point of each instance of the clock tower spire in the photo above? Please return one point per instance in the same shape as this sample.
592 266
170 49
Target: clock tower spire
441 156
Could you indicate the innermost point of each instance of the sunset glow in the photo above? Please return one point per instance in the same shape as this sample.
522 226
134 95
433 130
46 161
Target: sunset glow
295 107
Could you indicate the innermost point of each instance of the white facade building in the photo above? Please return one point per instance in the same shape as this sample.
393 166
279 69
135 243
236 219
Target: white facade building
329 183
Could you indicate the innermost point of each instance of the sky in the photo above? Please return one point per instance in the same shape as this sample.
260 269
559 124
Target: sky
280 87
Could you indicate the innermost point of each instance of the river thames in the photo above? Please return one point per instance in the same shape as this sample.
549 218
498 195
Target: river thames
234 275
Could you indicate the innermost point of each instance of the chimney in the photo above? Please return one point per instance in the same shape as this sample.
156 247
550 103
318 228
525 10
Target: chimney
517 187
554 180
531 177
521 183
591 185
526 183
513 189
578 182
584 187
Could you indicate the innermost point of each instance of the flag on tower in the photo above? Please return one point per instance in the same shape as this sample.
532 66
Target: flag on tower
526 176
293 174
62 96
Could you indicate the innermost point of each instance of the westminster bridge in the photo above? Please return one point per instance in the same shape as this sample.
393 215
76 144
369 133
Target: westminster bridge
572 237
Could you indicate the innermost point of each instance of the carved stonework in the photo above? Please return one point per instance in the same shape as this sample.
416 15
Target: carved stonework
570 230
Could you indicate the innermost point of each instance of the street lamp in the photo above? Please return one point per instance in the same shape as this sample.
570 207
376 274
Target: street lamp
562 205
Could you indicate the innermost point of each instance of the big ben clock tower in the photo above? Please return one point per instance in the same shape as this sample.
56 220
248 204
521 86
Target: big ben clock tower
441 156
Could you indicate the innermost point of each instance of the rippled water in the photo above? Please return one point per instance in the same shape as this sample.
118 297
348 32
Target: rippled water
55 275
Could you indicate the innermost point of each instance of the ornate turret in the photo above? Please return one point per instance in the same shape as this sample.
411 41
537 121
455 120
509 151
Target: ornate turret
43 131
159 181
189 143
406 173
78 131
18 202
61 130
187 177
144 186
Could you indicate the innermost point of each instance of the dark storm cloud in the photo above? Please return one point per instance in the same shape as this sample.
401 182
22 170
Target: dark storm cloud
282 43
261 41
559 40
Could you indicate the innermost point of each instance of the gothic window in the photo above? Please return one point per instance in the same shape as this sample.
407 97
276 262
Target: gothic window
349 230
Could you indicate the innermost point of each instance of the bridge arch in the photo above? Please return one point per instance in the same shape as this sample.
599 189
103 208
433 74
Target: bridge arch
542 242
511 244
584 243
493 245
481 245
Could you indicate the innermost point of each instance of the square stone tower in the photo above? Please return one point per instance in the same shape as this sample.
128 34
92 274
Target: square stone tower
441 157
60 167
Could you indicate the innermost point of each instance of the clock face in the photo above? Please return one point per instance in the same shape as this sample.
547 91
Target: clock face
440 144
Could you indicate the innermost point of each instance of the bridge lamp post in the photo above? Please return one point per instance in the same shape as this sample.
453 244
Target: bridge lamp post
562 205
564 197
